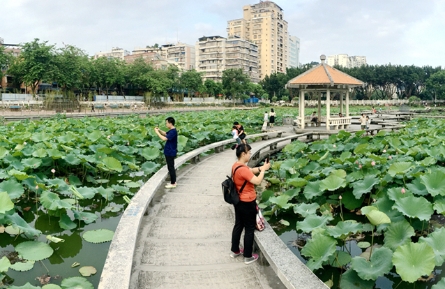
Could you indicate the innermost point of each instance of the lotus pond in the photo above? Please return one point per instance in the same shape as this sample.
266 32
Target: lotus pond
364 211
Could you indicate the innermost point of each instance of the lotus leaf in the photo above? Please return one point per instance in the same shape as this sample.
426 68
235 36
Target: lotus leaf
112 164
72 159
107 194
51 201
98 236
18 174
54 154
121 189
417 187
350 202
34 250
132 185
94 136
66 223
311 167
23 266
318 249
40 153
281 201
297 182
428 161
375 216
434 182
87 192
344 228
439 285
306 209
150 153
149 167
415 207
435 240
87 271
13 188
399 168
51 286
363 245
3 152
345 156
74 180
11 230
398 234
396 194
26 286
332 183
413 260
364 186
182 142
312 222
54 239
265 196
88 218
339 259
5 203
439 205
20 224
361 149
379 264
4 264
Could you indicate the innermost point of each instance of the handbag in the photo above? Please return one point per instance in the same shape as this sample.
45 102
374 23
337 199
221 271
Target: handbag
260 224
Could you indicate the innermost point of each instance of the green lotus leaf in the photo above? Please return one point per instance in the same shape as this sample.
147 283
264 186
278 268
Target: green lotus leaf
87 271
350 202
339 259
26 286
364 186
318 249
344 228
132 185
31 163
98 236
417 187
107 193
439 285
413 260
87 192
17 222
398 234
112 164
18 174
74 180
428 161
375 216
3 152
54 154
281 201
150 153
415 207
312 222
182 142
297 182
88 218
94 136
434 182
306 209
66 223
345 156
339 173
4 264
51 201
149 167
351 280
40 136
13 188
395 194
34 250
5 203
379 264
312 189
104 149
40 153
11 230
439 205
363 245
399 168
435 240
332 183
76 282
121 189
51 286
361 149
22 266
289 165
72 159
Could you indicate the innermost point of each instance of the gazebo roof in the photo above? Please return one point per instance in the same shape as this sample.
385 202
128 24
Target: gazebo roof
323 75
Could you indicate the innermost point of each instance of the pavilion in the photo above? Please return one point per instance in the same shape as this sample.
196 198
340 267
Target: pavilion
325 79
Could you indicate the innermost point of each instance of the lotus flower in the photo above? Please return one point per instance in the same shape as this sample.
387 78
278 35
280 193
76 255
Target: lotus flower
359 166
384 151
24 143
403 190
356 162
340 197
390 157
53 171
373 163
334 146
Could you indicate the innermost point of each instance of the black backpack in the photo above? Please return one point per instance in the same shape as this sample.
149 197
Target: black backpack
230 193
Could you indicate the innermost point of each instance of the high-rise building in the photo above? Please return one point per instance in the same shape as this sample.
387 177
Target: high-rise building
293 52
214 54
180 54
150 55
263 24
115 52
346 61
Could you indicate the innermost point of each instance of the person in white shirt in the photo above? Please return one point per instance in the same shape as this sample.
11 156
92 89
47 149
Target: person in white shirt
266 120
363 121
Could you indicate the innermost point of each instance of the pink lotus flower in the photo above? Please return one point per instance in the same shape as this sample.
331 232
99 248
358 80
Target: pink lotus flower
53 171
373 163
108 137
390 157
403 190
359 166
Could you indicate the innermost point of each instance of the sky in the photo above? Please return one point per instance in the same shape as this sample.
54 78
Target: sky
409 32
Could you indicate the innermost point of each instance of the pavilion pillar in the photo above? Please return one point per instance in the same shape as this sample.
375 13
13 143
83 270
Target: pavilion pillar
319 106
328 108
341 103
301 107
347 103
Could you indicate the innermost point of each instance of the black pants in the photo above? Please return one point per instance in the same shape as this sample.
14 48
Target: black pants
171 168
245 218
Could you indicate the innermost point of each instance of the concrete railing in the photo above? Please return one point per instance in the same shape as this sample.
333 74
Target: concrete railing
118 264
339 122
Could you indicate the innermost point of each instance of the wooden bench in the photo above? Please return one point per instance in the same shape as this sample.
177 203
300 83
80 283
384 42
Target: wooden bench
100 107
15 107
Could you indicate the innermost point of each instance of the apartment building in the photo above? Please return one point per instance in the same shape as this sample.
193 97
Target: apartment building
214 54
115 52
150 55
180 54
346 61
293 51
263 24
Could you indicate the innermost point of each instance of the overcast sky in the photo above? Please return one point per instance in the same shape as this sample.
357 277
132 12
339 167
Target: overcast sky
385 31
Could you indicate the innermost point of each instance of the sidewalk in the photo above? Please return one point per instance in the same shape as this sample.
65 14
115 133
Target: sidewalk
185 238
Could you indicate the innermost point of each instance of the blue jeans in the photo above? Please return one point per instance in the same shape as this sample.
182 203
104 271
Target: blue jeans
245 218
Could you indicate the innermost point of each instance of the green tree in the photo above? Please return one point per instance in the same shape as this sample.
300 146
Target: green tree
191 80
108 73
136 74
235 83
34 64
436 84
5 60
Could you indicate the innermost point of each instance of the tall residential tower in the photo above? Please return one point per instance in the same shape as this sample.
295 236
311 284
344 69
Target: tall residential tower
264 25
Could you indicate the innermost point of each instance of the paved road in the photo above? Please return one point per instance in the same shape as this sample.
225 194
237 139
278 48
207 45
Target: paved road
185 238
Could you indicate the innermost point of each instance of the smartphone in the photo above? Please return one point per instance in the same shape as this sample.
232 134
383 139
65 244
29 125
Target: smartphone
268 158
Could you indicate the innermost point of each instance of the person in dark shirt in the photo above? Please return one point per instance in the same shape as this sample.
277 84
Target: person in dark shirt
170 149
241 132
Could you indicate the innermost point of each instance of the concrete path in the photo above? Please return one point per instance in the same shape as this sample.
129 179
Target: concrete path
185 238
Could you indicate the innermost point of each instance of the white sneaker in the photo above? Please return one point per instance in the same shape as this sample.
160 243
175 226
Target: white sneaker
170 186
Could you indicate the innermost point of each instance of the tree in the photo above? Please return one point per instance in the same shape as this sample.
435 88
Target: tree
108 73
5 60
191 80
136 74
34 64
235 82
436 84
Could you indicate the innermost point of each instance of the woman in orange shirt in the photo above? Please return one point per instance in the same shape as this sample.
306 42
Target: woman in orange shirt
245 210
